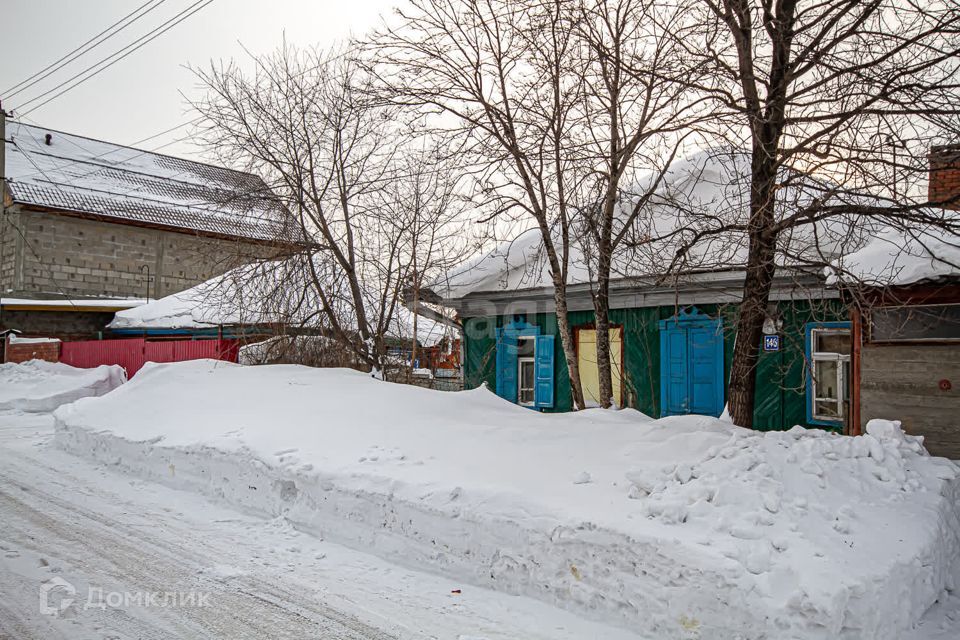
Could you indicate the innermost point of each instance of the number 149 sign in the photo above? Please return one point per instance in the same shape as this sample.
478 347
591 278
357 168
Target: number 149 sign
771 343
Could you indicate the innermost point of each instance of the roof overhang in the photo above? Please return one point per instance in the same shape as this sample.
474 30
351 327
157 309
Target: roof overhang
127 222
75 306
713 287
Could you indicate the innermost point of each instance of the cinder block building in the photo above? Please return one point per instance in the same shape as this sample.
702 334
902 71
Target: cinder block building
90 227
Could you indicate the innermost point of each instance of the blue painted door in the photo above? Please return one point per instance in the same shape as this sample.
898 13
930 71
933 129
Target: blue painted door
705 386
691 365
677 374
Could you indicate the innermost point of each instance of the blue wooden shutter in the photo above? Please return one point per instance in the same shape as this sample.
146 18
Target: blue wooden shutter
501 354
507 364
543 393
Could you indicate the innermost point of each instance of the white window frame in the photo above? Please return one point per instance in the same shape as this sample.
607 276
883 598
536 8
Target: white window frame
520 362
842 361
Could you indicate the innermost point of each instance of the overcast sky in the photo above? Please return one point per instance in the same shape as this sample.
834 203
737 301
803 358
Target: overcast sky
141 95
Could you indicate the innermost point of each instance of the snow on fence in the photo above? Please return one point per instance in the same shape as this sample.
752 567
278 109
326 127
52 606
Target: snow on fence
133 353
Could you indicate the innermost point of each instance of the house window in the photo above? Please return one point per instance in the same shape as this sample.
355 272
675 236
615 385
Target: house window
524 365
828 373
526 370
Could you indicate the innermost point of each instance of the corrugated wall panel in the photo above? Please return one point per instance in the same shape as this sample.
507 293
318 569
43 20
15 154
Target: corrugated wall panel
132 353
86 354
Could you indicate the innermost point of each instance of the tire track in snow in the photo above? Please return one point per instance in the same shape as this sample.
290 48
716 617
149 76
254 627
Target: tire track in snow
119 532
133 559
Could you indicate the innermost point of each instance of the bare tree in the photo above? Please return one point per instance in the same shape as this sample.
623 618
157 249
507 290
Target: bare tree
427 209
843 95
306 122
500 73
637 112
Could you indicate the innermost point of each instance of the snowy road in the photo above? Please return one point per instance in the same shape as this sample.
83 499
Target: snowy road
113 551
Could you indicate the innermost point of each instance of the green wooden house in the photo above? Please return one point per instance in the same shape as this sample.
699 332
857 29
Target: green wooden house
671 345
891 332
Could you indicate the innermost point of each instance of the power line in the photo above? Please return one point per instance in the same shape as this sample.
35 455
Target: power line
96 41
157 135
126 51
113 59
117 147
89 161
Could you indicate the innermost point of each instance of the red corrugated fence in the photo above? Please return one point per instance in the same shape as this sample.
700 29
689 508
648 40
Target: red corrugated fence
133 353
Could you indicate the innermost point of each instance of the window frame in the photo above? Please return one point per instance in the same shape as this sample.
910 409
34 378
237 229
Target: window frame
532 361
812 331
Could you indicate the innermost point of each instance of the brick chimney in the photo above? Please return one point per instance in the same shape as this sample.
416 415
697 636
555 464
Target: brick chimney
944 183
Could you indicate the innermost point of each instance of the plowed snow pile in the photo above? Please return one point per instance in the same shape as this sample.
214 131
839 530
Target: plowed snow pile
37 385
676 528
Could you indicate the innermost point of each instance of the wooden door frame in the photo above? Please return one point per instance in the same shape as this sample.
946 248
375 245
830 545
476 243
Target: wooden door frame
623 342
686 319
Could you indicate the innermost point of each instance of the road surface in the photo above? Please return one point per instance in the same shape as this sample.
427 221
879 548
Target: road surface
89 553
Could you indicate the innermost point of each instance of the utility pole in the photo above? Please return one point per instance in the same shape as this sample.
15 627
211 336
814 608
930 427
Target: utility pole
3 156
3 193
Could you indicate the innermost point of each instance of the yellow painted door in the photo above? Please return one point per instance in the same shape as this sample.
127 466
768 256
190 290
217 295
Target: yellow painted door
587 361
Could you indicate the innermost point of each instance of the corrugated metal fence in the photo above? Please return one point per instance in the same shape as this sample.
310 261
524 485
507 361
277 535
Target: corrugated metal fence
133 353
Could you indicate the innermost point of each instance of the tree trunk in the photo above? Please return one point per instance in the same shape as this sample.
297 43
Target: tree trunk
601 307
756 292
566 341
413 341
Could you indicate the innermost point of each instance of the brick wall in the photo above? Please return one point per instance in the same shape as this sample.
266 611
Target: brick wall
7 249
21 352
944 185
61 255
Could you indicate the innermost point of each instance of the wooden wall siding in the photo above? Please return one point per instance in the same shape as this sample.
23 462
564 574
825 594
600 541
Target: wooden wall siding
902 382
780 400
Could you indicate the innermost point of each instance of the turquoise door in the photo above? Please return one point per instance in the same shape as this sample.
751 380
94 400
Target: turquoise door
691 365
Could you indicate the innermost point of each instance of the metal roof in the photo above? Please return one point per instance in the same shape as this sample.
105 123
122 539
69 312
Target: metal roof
51 169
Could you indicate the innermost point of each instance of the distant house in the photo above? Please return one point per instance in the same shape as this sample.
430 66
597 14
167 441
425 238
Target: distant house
91 227
672 337
274 303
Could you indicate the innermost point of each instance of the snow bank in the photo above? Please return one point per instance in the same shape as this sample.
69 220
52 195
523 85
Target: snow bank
37 385
684 527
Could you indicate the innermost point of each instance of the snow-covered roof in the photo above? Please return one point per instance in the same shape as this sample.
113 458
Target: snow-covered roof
107 304
896 258
278 292
15 339
694 193
77 174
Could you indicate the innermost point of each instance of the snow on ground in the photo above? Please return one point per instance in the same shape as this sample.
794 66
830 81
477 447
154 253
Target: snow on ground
37 385
88 531
684 527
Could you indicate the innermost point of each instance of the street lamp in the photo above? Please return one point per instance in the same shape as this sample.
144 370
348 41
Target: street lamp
147 267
